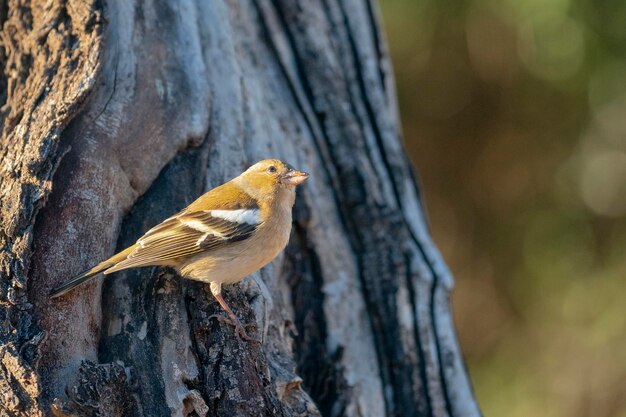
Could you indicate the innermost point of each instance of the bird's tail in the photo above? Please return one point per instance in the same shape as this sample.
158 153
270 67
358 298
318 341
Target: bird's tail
90 273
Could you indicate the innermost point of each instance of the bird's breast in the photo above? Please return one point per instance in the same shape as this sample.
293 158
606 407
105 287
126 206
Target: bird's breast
234 261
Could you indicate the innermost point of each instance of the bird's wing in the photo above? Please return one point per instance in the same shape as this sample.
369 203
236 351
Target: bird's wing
190 233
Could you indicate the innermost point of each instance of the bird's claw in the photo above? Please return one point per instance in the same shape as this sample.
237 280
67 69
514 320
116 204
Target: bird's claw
240 329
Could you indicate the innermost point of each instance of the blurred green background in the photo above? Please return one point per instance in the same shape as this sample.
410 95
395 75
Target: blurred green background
514 113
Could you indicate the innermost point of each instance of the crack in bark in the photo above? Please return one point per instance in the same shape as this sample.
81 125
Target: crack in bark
323 377
418 340
378 43
433 318
106 104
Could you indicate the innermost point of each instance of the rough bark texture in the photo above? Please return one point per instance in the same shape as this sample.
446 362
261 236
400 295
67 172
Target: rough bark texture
114 116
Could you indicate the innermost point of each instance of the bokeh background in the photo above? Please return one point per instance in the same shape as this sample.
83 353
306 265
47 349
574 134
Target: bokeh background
514 113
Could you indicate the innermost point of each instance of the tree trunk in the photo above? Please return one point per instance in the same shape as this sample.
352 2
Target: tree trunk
116 115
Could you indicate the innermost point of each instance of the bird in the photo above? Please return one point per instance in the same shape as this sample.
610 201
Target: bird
225 235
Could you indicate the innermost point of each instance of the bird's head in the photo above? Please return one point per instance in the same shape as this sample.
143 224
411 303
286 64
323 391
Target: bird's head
271 176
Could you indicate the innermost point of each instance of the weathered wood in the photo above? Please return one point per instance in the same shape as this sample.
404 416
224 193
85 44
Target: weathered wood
50 62
107 131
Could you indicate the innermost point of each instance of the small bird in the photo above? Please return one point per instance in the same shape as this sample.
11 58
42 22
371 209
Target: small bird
228 233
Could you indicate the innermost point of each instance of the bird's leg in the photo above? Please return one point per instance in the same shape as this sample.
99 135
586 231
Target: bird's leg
216 290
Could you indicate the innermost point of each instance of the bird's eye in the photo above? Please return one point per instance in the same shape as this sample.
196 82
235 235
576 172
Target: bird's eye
271 169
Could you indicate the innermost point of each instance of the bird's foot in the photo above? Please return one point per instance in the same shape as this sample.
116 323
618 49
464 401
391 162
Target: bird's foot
240 329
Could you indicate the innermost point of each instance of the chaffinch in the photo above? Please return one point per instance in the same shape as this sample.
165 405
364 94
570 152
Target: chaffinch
228 233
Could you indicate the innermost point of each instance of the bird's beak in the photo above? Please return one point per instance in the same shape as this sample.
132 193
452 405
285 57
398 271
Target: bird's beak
293 178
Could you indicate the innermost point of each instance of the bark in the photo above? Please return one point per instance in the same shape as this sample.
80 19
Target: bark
116 115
